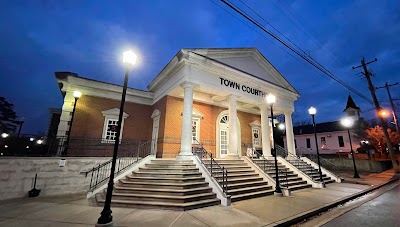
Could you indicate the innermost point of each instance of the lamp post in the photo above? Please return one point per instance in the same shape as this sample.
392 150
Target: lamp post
312 111
129 58
348 122
271 100
21 122
77 95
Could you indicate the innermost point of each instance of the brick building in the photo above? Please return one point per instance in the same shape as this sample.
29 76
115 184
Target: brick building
192 100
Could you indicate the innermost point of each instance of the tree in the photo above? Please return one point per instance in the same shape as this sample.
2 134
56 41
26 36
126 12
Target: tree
377 139
7 116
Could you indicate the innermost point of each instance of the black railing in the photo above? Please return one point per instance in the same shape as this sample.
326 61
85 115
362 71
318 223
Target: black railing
266 165
218 172
101 173
302 166
281 151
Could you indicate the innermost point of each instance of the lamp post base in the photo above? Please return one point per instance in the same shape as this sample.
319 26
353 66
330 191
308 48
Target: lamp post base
110 224
278 193
356 175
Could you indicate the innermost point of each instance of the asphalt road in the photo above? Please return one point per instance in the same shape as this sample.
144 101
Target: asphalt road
380 212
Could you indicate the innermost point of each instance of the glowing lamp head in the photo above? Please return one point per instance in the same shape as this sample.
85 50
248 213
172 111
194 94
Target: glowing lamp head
39 142
4 135
129 58
271 99
281 126
384 113
312 111
77 94
347 122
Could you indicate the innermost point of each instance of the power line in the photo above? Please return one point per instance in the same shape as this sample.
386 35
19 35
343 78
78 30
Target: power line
306 58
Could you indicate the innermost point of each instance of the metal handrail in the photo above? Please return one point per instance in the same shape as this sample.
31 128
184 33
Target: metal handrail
297 162
281 151
271 165
101 172
204 155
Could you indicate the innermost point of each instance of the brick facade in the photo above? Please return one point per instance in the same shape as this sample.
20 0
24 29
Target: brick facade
89 123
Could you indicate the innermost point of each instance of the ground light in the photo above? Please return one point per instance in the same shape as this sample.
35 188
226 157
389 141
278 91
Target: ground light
271 100
312 111
77 95
348 123
129 58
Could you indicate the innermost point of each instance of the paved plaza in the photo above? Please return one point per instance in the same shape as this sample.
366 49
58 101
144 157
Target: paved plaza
75 210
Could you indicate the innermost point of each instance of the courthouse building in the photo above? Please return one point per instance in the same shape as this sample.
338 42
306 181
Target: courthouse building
214 96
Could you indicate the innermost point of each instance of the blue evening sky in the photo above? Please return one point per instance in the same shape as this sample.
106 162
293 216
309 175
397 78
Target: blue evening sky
40 37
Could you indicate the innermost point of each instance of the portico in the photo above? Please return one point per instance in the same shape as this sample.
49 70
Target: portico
227 84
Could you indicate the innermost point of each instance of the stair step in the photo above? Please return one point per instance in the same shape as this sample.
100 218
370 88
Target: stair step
163 198
298 187
172 169
163 185
246 184
249 189
167 174
162 191
243 180
163 205
251 195
144 178
292 183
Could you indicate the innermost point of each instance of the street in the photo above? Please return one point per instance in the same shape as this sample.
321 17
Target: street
381 211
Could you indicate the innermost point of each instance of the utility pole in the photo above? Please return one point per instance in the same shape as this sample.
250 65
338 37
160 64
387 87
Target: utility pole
392 104
371 88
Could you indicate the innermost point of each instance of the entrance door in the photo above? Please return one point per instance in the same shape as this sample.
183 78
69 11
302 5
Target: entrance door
223 136
154 137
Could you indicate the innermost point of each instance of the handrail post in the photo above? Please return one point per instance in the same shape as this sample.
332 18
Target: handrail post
211 161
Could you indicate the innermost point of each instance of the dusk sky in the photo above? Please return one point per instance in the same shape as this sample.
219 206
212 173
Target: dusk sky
88 38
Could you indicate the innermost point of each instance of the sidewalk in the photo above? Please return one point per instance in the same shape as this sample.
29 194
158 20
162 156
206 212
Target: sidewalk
74 210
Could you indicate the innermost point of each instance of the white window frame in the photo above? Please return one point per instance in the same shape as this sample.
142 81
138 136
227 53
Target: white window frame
112 114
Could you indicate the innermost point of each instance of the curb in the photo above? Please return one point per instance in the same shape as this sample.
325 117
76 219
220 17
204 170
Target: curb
305 215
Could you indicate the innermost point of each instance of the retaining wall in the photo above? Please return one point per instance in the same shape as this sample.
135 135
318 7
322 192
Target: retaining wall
17 175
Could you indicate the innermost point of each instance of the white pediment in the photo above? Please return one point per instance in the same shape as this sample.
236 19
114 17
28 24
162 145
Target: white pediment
247 60
113 113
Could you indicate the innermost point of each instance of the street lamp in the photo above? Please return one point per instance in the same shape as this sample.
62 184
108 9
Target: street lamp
271 100
21 122
4 135
281 126
129 58
77 95
348 122
312 111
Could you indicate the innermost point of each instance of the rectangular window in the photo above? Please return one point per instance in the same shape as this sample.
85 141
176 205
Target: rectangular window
195 130
323 143
256 137
111 129
295 143
341 142
308 143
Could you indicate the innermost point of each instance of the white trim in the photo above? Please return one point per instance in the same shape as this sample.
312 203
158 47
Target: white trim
301 174
217 135
112 114
323 170
156 127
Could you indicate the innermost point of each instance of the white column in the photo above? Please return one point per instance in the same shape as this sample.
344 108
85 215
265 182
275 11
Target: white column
233 149
65 117
265 131
186 139
289 133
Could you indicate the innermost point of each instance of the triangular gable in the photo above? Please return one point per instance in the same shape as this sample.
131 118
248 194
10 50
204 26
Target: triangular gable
248 60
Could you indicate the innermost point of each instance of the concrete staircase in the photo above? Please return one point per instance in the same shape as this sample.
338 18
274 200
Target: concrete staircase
310 170
243 182
287 178
163 184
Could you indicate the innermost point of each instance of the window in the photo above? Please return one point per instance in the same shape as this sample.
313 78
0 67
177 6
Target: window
323 143
110 125
295 143
256 137
111 129
195 130
341 142
308 143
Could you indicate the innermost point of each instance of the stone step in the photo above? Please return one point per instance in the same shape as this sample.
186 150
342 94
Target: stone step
162 191
233 171
163 198
164 179
162 205
166 185
289 179
299 187
229 167
238 175
260 182
292 183
171 162
166 174
289 175
162 165
243 180
251 195
172 169
249 189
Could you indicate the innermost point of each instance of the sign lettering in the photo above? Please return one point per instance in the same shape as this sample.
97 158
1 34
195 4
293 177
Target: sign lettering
244 88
